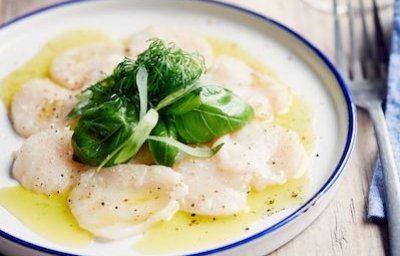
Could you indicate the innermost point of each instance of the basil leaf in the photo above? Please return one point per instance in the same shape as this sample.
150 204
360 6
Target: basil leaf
102 129
163 153
91 97
207 113
124 152
138 138
175 96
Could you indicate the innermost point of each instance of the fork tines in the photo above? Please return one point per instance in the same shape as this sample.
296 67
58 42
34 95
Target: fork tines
373 61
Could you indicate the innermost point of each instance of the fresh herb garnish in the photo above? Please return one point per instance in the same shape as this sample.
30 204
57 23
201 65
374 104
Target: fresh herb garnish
169 68
159 99
197 151
164 153
102 129
208 112
131 146
141 81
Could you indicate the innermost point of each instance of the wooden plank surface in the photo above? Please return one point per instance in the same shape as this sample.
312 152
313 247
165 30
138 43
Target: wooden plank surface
342 228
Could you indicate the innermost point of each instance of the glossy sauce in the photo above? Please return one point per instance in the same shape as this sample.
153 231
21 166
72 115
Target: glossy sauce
185 232
299 118
51 218
39 65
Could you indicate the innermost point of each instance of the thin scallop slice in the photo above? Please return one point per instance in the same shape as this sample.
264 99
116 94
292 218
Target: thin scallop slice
212 192
266 95
231 73
270 154
125 200
83 66
44 163
40 105
184 39
277 93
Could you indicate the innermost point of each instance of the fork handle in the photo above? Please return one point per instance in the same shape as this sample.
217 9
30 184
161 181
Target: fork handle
390 175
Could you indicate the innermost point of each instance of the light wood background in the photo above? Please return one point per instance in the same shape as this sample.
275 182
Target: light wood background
342 228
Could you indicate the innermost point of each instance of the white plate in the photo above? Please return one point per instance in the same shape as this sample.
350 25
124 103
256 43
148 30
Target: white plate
308 72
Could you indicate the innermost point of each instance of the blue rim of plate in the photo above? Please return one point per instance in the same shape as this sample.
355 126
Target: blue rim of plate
311 202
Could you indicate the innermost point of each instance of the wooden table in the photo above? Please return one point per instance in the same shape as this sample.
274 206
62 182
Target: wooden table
342 228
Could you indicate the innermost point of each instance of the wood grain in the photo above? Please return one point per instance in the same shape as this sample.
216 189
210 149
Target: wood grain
342 228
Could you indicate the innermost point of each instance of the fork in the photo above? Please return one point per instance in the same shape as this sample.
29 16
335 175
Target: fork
367 83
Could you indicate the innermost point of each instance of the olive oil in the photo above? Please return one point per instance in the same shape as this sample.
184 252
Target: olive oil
300 119
38 66
186 231
227 48
50 216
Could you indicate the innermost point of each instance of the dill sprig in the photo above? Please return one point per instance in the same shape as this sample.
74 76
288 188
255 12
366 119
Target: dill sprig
169 68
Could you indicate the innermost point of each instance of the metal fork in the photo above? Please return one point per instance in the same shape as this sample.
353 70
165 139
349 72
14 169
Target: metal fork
367 82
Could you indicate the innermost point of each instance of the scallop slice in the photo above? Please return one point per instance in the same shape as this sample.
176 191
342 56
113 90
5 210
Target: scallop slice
44 162
231 73
186 40
211 191
266 95
81 67
40 105
268 153
277 93
125 200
